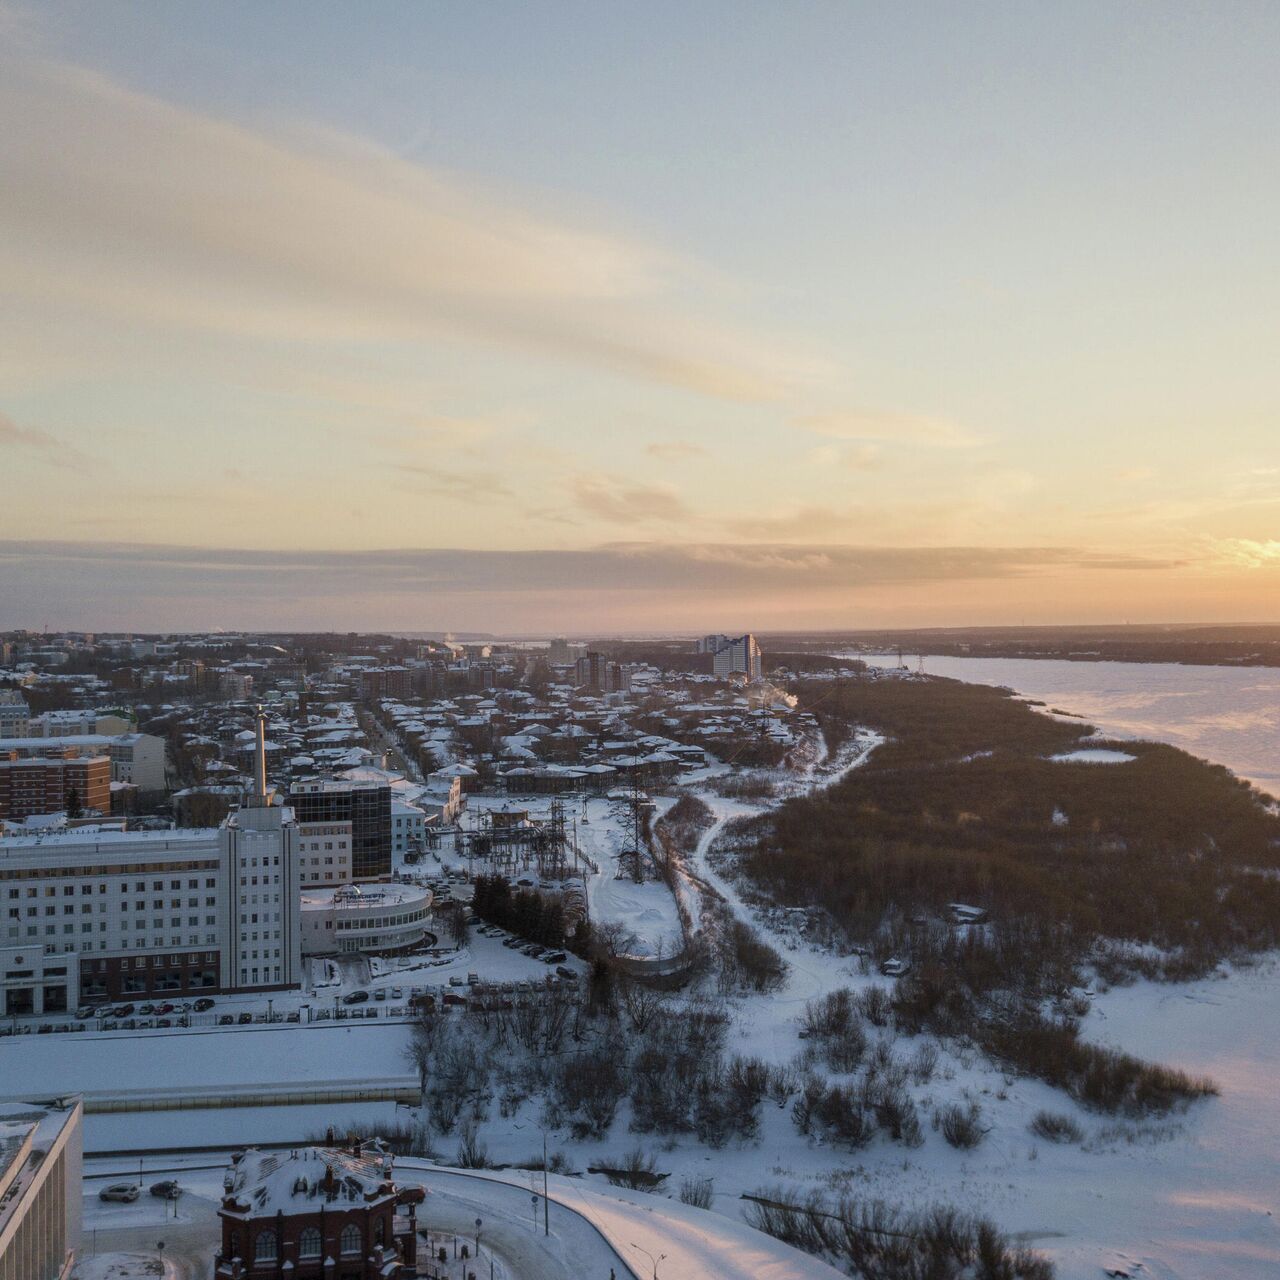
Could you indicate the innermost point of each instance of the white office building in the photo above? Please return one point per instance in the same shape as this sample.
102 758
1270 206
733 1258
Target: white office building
89 914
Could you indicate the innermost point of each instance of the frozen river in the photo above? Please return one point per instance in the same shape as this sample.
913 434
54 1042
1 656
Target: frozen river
1230 715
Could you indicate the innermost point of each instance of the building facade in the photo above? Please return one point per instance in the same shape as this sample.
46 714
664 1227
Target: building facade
324 853
383 919
318 1213
365 806
45 784
41 1152
137 758
738 656
89 916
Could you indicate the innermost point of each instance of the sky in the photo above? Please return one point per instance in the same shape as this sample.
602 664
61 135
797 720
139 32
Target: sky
632 317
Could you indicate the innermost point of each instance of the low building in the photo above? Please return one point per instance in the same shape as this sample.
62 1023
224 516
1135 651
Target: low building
377 919
14 714
41 1150
408 827
318 1213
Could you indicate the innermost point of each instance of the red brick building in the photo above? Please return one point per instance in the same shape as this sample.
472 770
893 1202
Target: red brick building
318 1213
42 784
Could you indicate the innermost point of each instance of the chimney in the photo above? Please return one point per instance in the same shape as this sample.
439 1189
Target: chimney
260 762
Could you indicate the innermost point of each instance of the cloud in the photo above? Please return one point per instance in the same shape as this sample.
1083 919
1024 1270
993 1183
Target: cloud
1248 553
860 457
673 450
464 486
121 585
624 502
48 448
145 213
872 424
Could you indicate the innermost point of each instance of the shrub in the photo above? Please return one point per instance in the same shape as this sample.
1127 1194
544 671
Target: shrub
697 1192
961 1126
636 1170
1054 1127
877 1242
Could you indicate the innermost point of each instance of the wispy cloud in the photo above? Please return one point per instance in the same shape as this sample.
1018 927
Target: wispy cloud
874 424
675 450
478 485
627 502
41 444
312 236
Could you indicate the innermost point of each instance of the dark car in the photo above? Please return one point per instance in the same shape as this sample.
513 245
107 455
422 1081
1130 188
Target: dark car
146 1008
245 1018
226 1020
122 1010
166 1190
355 997
203 1004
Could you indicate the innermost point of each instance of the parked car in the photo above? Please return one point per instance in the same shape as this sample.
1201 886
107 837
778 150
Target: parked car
44 1028
355 997
164 1022
163 1008
226 1020
203 1004
85 1011
166 1190
120 1192
244 1019
555 957
380 993
455 980
397 993
566 973
895 967
146 1008
122 1010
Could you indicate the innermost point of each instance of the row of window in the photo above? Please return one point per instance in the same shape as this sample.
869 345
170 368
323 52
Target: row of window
266 1244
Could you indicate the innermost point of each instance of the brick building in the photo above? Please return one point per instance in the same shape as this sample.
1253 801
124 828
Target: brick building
318 1213
42 784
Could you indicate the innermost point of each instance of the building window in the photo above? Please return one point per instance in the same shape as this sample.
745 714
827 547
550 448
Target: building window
264 1247
350 1240
309 1243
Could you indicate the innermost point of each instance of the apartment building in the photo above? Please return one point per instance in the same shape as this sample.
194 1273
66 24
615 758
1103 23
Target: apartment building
43 784
14 714
136 758
737 656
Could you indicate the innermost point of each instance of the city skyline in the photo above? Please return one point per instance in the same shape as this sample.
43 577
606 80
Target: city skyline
532 320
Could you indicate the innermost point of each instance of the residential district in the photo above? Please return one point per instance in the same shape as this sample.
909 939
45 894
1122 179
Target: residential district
207 837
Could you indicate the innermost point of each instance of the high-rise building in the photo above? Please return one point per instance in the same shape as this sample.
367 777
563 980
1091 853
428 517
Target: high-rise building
590 670
366 806
740 655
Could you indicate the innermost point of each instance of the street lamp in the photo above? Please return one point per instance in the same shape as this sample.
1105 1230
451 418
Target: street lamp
651 1258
